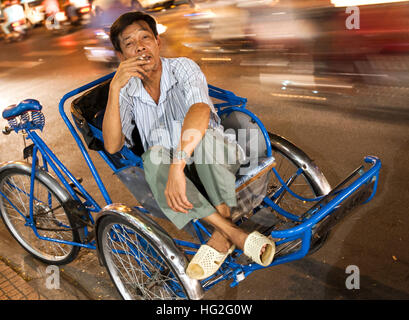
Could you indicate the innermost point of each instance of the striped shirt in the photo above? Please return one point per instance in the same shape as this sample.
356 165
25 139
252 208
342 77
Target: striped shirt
182 85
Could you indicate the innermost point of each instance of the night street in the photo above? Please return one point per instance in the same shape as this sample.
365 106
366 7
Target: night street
335 125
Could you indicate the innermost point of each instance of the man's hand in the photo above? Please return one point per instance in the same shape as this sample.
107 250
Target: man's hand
175 191
132 67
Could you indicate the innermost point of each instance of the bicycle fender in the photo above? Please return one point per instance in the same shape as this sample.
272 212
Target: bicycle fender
159 237
42 175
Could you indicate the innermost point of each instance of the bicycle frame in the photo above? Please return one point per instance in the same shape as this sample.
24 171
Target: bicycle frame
231 269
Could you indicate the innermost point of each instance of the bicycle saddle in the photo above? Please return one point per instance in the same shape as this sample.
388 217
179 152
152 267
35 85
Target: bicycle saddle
18 109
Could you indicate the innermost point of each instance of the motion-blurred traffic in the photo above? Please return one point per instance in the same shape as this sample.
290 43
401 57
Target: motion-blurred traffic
308 39
318 45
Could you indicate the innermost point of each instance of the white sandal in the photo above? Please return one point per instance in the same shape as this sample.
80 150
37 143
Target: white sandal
253 245
206 262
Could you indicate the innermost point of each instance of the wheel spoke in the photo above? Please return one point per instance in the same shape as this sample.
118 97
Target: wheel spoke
136 267
48 220
297 183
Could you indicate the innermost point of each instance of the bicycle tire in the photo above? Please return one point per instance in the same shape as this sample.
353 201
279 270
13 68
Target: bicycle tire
46 220
138 286
315 183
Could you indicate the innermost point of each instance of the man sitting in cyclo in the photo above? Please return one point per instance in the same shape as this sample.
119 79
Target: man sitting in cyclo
168 101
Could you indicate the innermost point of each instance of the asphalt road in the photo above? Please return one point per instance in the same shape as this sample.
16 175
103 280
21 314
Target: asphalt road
337 131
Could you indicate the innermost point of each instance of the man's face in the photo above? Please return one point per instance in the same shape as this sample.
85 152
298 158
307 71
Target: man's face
138 40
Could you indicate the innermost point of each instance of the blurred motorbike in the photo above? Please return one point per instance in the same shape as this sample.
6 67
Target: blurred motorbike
78 12
18 31
103 52
75 14
57 23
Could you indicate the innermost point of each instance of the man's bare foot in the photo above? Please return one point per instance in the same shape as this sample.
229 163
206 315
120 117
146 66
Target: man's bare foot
218 242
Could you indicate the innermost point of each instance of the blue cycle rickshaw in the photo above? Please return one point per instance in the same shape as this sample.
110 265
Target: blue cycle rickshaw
284 195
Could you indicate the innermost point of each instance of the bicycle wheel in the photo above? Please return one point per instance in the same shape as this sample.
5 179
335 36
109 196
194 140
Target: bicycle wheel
304 179
138 269
49 218
309 182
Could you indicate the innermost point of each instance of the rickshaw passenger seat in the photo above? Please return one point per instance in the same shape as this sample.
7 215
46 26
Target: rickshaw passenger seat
137 147
89 108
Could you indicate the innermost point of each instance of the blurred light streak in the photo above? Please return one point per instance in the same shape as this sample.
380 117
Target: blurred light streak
216 59
350 3
297 96
204 14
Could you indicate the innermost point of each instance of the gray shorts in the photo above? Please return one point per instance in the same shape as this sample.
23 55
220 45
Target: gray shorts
216 161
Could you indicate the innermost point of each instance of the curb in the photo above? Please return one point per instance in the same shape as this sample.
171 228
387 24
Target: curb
14 287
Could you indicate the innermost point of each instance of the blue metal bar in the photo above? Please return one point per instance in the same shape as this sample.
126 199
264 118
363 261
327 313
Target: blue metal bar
40 144
45 167
33 172
190 253
374 188
198 233
51 158
201 226
227 96
281 211
327 209
187 244
133 159
77 137
107 160
291 192
256 120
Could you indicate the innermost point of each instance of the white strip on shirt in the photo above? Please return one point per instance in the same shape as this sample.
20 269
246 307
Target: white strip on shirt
182 85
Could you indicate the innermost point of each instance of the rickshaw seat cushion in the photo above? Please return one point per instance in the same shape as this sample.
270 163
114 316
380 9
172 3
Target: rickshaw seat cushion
250 172
137 147
90 108
92 101
85 107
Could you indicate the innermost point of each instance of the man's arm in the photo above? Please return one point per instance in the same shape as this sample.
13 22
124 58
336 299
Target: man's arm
194 127
112 127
